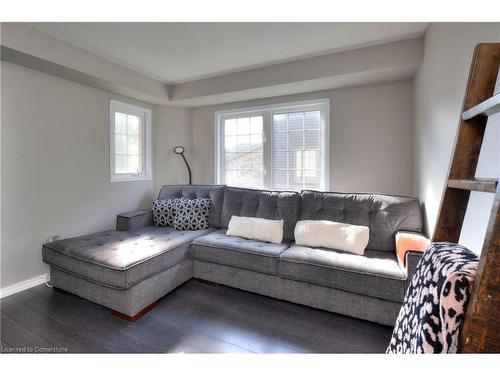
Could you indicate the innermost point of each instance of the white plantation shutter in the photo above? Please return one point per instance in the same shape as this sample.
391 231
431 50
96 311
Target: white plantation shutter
280 148
297 151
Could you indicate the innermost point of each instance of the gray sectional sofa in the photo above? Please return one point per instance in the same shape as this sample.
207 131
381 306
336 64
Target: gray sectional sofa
130 268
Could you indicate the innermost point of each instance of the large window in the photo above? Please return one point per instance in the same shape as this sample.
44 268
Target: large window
130 142
281 147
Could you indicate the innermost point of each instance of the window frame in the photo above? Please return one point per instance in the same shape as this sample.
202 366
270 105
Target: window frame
268 111
146 147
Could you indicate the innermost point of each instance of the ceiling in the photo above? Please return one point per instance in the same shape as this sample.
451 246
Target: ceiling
180 52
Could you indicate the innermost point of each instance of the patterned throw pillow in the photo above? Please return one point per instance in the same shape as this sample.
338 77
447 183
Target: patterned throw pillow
164 212
192 214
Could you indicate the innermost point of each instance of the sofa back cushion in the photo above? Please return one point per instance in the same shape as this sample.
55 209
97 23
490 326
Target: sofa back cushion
383 214
273 205
213 192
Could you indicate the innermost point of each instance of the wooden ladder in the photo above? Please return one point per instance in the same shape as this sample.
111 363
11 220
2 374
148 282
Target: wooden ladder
481 330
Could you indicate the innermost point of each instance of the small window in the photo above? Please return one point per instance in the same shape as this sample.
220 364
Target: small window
130 142
278 147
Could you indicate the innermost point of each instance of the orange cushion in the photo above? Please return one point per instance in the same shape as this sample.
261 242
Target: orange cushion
410 241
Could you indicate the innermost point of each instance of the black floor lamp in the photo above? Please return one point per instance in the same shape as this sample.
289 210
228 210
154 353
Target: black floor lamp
179 150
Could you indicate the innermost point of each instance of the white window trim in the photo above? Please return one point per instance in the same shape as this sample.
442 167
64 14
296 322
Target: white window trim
145 113
323 104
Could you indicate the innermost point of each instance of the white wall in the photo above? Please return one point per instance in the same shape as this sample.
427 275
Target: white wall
55 165
439 90
371 144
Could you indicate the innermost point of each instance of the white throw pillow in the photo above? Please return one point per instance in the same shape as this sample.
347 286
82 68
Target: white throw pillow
332 235
255 228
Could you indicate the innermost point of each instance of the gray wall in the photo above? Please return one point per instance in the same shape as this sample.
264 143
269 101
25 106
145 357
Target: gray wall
55 147
439 90
371 144
172 127
55 165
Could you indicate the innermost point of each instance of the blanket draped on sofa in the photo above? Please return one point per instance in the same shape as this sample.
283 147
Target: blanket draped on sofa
433 310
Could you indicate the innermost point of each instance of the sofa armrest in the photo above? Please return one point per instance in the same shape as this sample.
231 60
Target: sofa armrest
134 220
411 260
409 249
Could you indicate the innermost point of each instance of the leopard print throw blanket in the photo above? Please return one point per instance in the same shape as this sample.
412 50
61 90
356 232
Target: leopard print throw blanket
434 305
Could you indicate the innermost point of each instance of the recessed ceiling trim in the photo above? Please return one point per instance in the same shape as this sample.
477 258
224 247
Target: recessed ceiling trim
395 55
29 47
32 42
178 52
417 35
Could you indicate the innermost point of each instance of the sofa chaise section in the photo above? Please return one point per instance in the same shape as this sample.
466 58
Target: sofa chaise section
126 271
130 303
129 269
119 259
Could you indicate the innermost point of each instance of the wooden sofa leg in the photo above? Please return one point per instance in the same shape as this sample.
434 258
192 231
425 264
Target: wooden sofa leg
137 316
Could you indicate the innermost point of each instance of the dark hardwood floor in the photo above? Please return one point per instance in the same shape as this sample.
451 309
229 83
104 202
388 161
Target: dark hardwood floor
195 318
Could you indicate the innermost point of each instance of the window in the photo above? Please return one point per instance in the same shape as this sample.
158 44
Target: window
282 147
130 142
244 151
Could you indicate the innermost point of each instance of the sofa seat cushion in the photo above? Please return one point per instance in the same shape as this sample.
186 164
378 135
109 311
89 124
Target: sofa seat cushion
376 274
253 255
121 259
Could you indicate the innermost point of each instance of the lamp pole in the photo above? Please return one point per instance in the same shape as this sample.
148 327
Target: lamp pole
179 150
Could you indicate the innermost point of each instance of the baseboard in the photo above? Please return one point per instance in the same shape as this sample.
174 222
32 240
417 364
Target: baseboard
23 285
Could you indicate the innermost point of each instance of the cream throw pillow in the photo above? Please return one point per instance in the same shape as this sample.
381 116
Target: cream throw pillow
332 235
256 229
